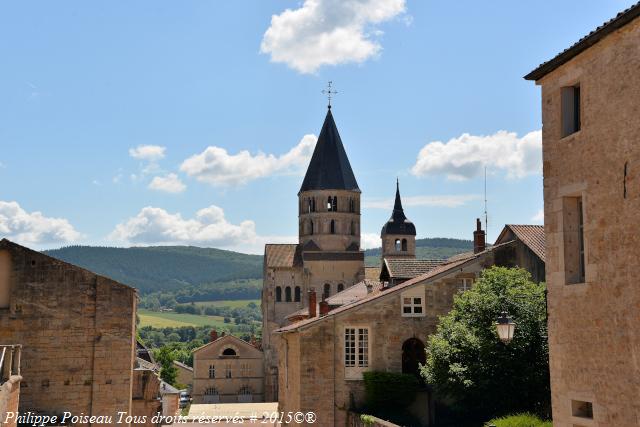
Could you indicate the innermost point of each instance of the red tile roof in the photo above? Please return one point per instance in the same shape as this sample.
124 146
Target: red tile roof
530 235
283 255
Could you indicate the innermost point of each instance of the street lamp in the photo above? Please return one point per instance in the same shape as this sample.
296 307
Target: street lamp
505 327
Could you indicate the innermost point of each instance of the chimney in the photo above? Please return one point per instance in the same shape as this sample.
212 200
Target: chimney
479 243
213 334
312 303
324 308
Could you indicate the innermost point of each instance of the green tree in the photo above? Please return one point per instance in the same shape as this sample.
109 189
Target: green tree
168 372
468 364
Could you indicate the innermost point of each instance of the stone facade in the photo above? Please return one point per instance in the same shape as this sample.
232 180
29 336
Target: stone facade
185 375
9 384
316 372
77 332
228 370
146 400
592 224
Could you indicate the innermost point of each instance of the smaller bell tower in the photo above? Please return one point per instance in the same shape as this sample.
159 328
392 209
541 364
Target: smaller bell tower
398 234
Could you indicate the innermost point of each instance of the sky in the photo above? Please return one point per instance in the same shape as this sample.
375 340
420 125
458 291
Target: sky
161 122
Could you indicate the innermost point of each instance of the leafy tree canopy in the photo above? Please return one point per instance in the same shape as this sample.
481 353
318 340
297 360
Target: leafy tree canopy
469 365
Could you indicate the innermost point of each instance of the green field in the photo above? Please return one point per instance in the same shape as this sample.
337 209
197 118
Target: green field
159 319
233 303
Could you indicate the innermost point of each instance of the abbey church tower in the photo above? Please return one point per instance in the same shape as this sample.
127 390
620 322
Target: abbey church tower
327 258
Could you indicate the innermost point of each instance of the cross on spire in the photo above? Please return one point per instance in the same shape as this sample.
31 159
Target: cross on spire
329 92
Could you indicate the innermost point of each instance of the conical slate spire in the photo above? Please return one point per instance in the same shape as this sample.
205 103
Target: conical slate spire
329 168
398 223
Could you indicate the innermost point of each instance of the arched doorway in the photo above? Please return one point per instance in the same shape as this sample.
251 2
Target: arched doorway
412 356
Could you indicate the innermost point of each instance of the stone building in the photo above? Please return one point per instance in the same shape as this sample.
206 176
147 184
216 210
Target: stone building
327 257
77 331
228 370
590 137
383 328
185 375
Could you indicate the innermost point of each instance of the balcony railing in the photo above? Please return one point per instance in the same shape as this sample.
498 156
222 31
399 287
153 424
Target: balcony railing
9 361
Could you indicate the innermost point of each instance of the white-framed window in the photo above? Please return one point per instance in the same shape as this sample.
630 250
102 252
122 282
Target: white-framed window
412 303
356 347
464 284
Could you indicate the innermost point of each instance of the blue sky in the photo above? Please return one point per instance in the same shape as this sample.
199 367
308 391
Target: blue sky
161 122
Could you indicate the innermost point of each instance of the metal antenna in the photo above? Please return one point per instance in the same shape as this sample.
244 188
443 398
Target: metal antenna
329 92
486 216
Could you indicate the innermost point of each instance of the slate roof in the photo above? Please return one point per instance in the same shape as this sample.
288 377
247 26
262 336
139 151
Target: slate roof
329 168
283 255
621 19
398 223
530 235
410 268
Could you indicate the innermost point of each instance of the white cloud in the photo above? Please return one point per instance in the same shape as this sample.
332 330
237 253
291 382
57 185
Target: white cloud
150 153
170 183
217 167
34 228
448 201
370 240
466 156
328 32
538 217
156 226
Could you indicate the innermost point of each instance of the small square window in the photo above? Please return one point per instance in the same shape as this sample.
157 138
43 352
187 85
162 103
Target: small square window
412 306
582 409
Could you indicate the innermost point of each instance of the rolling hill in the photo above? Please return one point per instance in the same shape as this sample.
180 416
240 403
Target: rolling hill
201 274
163 268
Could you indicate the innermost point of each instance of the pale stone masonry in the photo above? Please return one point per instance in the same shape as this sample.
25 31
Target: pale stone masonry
591 154
77 331
324 356
227 370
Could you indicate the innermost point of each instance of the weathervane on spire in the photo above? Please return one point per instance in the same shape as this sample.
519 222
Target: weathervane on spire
329 92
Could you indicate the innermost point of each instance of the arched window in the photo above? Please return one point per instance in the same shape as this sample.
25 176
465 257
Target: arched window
296 294
353 228
397 244
404 245
327 291
313 204
229 352
352 205
333 227
287 294
309 205
329 203
278 294
311 228
334 206
340 287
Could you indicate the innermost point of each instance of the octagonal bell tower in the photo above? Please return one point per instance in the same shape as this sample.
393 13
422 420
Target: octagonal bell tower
329 198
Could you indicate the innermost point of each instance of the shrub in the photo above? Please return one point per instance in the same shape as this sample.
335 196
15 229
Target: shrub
366 419
519 420
389 390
